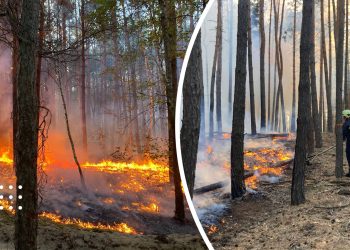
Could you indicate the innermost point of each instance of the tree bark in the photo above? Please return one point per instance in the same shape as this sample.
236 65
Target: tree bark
297 192
168 26
339 171
219 69
230 66
191 113
133 83
315 114
212 82
262 64
292 126
329 85
269 74
237 137
346 94
251 77
83 82
26 137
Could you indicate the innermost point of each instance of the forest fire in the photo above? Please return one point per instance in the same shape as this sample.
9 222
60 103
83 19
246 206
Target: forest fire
121 227
131 187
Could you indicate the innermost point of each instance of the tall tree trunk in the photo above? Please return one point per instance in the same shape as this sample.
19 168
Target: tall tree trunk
83 82
329 85
279 94
262 64
230 66
251 77
269 74
191 113
346 94
212 82
321 101
133 83
325 65
292 126
237 137
297 194
168 26
219 69
40 48
26 146
339 84
315 114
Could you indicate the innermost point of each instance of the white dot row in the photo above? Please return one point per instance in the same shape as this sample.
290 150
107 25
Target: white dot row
11 197
11 207
11 187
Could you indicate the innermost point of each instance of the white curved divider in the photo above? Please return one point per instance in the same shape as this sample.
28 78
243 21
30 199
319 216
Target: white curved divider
178 124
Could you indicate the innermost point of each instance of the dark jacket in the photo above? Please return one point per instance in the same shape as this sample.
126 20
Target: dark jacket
346 133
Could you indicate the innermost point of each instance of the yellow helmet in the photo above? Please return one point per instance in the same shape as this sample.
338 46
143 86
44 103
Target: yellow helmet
346 113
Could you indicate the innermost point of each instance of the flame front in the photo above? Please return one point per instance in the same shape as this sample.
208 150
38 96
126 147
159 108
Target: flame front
119 227
5 159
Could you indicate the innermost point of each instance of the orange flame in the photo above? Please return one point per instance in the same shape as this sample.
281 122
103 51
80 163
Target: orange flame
5 159
121 227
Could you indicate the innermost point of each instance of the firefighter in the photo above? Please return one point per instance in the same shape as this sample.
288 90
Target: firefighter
346 135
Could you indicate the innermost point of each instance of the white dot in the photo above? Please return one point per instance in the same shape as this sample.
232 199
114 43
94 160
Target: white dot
19 207
1 207
10 207
20 197
10 197
1 187
10 187
1 197
20 187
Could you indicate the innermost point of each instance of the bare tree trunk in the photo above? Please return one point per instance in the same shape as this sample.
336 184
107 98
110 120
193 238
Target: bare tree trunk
191 113
297 194
212 83
59 84
237 138
346 94
40 48
251 77
292 126
262 64
325 65
168 26
315 114
335 23
321 101
339 171
230 30
26 137
269 74
133 83
219 69
83 83
329 85
279 67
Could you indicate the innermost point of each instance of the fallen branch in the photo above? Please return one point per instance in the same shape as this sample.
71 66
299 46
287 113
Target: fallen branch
217 185
59 84
281 163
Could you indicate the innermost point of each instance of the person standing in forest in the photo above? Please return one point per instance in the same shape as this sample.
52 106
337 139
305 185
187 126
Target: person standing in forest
346 135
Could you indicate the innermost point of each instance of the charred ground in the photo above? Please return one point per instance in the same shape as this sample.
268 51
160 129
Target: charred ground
266 220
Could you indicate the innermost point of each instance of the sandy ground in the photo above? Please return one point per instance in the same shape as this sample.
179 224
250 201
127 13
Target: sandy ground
268 221
53 236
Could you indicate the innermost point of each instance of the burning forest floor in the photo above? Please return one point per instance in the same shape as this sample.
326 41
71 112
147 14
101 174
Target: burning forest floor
265 219
127 205
53 236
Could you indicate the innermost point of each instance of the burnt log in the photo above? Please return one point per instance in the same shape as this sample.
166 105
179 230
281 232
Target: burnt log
282 163
217 185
